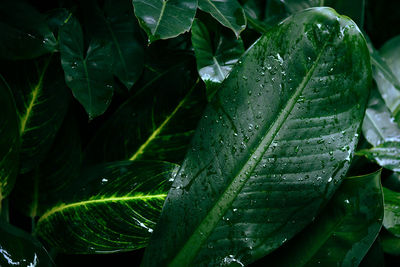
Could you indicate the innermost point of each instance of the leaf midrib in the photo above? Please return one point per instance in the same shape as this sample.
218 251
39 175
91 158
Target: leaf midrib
224 18
206 226
160 17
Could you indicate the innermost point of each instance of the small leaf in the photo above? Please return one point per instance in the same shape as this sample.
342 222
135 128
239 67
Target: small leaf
272 147
87 73
216 56
18 248
42 100
24 32
386 155
9 141
391 221
228 13
343 233
115 209
163 19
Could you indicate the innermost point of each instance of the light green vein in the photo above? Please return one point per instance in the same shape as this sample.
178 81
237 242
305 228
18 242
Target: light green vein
221 74
161 15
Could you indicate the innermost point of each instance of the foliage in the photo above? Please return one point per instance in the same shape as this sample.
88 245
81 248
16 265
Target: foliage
199 133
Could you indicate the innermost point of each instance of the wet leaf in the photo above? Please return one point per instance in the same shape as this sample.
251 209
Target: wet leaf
386 155
115 208
165 19
354 9
87 73
391 221
228 12
272 147
215 56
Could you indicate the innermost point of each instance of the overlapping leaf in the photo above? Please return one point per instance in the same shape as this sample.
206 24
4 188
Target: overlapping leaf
42 100
343 233
391 220
165 19
273 145
115 208
24 32
9 141
87 73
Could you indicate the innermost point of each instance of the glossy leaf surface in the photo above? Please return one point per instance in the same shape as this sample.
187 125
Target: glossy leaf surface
216 54
386 155
165 19
116 22
23 36
272 147
9 141
343 233
228 12
391 220
115 208
42 100
87 73
18 248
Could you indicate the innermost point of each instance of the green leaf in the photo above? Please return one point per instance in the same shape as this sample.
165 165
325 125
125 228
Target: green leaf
9 141
228 13
375 256
386 155
293 6
272 147
343 233
42 100
390 243
116 23
215 56
354 9
387 75
24 32
391 221
163 19
18 248
87 73
115 209
155 124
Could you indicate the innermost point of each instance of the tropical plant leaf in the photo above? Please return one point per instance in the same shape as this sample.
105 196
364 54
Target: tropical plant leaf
375 256
23 36
228 13
87 73
165 19
216 53
115 209
156 124
9 142
386 155
42 100
115 22
18 248
343 233
56 18
354 9
391 221
272 147
390 243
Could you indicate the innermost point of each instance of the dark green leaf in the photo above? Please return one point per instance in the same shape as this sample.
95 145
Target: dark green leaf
375 256
272 147
24 32
391 221
114 210
343 233
216 56
9 141
117 24
42 101
293 6
355 9
165 19
228 13
56 18
386 155
390 243
18 248
87 73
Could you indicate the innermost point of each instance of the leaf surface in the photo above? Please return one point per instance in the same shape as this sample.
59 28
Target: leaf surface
165 19
391 221
386 155
114 208
215 56
272 147
87 73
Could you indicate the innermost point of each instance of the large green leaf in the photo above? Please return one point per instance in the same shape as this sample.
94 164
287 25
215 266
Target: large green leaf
343 233
156 123
391 221
387 74
216 53
18 248
42 101
115 22
87 73
163 19
9 141
228 12
272 147
386 155
115 209
24 32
